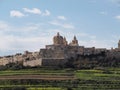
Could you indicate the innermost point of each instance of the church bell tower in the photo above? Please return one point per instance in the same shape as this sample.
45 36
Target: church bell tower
119 44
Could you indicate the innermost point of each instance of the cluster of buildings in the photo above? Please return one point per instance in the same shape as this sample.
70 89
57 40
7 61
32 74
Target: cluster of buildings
56 54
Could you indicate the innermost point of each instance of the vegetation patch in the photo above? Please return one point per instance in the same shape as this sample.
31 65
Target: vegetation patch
84 79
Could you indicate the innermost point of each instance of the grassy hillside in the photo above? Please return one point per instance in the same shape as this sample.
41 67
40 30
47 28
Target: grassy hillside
65 79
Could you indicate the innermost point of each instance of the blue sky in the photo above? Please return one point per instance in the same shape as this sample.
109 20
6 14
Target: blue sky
31 24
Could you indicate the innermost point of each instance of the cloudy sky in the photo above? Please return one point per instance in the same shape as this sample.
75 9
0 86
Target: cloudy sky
31 24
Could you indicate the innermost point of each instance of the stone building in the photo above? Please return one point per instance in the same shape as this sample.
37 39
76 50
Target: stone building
55 54
60 52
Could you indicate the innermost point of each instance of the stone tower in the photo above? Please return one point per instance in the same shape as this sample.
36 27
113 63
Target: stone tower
58 40
119 44
65 41
74 42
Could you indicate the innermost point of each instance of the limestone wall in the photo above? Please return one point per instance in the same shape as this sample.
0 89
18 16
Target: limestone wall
54 55
33 63
6 60
49 53
28 58
53 62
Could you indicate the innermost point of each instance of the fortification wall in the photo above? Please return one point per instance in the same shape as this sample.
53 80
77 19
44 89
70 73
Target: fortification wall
113 54
32 63
49 53
53 62
30 59
6 60
54 55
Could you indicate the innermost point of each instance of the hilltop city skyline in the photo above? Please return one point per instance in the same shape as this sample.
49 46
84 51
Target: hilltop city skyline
30 25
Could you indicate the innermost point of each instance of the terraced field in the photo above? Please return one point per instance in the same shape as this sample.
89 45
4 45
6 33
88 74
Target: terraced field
108 79
41 77
65 79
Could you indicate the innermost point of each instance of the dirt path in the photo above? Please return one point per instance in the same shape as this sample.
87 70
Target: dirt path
41 77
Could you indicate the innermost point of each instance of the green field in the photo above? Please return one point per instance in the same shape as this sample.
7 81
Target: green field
33 71
89 79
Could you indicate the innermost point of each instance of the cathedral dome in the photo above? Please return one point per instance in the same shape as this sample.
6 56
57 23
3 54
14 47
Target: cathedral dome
58 40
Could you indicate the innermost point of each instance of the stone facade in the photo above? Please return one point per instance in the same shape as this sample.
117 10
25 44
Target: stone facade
56 54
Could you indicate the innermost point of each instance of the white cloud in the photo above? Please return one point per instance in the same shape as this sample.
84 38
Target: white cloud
82 34
61 17
97 43
33 36
15 13
3 26
103 13
15 43
18 39
63 25
86 35
117 17
46 13
33 10
55 23
93 37
68 26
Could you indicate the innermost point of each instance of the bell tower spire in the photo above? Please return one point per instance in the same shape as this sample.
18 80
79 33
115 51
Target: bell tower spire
74 41
65 41
119 44
58 34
